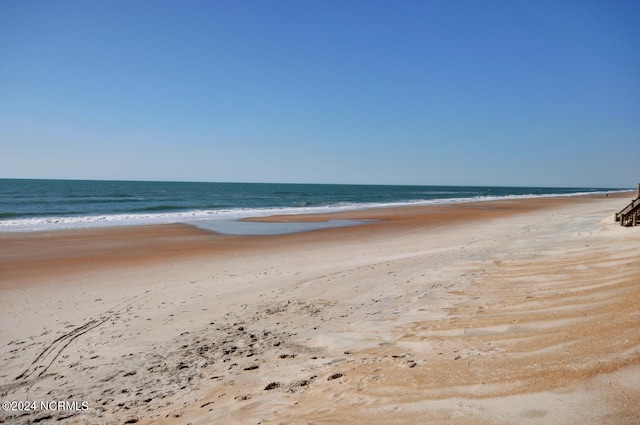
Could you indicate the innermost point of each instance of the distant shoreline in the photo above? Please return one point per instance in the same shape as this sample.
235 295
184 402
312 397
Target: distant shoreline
141 244
215 219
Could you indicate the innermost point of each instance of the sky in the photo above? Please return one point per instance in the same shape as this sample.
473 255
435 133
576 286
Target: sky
510 93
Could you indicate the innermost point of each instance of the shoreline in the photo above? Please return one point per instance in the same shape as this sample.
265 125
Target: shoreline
35 255
104 221
519 311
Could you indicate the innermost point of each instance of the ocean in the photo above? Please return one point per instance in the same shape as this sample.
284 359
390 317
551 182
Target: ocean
33 205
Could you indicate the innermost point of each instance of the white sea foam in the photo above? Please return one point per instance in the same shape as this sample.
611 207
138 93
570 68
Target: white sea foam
227 215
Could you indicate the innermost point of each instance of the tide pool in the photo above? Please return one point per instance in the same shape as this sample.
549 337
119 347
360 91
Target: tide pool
235 227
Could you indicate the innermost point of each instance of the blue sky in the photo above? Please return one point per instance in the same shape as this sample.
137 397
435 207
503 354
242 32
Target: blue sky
540 93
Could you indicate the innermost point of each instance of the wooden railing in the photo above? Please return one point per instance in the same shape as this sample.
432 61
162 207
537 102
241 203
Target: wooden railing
630 215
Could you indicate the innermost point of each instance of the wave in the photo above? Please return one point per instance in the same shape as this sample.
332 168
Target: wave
301 204
166 207
166 214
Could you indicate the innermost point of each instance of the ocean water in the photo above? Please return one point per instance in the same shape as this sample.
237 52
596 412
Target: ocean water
31 205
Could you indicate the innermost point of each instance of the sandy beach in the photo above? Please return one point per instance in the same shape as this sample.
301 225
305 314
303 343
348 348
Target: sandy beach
501 312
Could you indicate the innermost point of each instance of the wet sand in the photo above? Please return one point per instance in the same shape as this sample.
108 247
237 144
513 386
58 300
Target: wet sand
503 312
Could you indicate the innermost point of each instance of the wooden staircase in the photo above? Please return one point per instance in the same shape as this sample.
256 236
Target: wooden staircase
630 215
